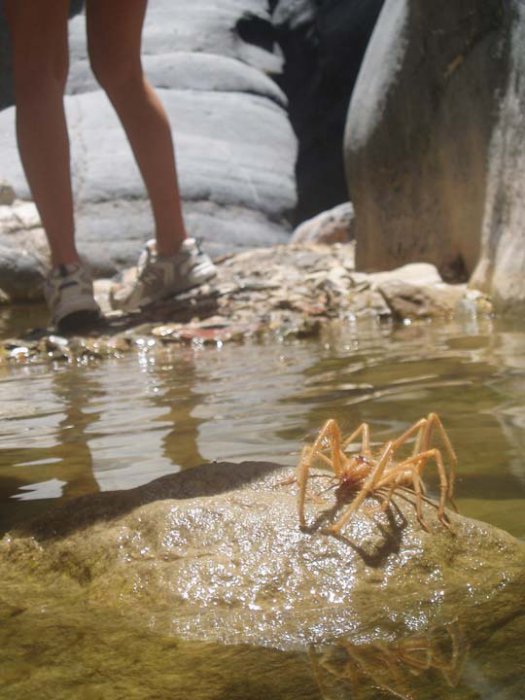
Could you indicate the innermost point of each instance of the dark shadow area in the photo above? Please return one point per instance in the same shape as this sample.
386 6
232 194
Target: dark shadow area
391 531
195 304
323 43
205 480
257 31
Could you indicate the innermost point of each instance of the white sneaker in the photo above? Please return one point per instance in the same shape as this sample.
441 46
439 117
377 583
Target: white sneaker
68 290
159 277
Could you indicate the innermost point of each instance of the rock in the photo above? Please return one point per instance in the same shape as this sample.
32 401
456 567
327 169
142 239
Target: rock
501 268
412 301
24 255
420 139
417 291
294 290
423 274
18 216
21 274
215 554
333 226
235 147
7 193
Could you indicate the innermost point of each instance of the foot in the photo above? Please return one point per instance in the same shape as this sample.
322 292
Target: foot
160 277
68 290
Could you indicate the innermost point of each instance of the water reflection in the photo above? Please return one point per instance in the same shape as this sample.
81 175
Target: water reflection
171 390
118 424
62 461
397 669
452 661
71 431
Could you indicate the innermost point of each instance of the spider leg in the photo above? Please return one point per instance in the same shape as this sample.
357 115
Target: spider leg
366 489
417 463
364 431
424 430
302 471
415 429
330 431
434 420
407 469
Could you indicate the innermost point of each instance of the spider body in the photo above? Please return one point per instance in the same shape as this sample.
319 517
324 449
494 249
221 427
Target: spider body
363 473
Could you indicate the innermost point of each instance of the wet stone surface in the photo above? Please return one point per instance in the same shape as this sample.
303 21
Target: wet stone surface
216 554
288 291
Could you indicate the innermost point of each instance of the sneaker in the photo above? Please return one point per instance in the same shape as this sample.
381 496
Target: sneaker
68 290
160 277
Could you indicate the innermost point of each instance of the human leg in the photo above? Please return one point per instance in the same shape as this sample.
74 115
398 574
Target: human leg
38 33
40 64
172 263
114 43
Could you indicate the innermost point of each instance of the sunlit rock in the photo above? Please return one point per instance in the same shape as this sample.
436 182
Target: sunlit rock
434 143
501 268
332 226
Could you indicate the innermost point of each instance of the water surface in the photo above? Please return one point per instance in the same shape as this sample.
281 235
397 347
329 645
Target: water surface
68 430
114 424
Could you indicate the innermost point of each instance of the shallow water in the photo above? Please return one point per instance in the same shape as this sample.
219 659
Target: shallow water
115 424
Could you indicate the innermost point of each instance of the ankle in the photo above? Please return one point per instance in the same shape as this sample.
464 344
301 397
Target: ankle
167 249
60 260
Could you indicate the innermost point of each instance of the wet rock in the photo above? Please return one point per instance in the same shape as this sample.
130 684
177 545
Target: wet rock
332 226
216 554
408 301
417 291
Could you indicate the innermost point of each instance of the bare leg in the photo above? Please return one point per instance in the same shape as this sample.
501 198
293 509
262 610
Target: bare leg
114 42
40 64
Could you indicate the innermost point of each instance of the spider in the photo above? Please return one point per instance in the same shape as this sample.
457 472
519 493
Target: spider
364 473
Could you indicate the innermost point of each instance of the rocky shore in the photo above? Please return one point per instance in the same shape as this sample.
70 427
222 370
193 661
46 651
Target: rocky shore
287 291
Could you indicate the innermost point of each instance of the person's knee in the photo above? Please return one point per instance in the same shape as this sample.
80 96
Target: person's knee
115 74
33 78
